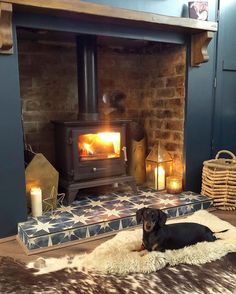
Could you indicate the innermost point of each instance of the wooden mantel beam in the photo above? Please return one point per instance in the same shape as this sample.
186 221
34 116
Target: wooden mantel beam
6 38
201 31
116 14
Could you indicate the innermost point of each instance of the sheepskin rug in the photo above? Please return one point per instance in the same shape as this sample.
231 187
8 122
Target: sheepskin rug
117 255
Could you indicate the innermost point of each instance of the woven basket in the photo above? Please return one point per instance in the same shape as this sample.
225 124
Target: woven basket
219 181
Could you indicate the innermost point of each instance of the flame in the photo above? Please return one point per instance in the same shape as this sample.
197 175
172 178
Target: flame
99 146
88 148
108 137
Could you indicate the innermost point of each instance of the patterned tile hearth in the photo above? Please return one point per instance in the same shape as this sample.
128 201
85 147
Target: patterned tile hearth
97 215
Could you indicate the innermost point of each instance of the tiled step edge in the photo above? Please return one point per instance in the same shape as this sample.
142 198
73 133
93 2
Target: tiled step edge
86 233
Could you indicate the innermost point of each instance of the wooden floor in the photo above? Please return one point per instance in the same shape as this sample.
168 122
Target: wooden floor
13 249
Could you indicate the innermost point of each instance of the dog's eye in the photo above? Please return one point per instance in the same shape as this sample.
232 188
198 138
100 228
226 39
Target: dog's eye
153 216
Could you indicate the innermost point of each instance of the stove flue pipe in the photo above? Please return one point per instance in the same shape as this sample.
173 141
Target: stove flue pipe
87 77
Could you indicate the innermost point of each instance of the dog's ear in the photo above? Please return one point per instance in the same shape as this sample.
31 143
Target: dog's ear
139 215
162 218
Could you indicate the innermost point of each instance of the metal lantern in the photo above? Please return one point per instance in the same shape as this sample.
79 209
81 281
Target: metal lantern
159 165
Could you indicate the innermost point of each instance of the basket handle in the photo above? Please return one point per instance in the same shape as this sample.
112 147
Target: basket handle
225 151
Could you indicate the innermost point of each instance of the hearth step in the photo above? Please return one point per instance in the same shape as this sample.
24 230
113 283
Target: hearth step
97 216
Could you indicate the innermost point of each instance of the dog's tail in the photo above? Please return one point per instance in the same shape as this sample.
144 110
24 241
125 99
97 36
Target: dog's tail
223 231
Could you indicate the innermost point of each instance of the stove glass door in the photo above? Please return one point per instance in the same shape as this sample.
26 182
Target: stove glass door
99 146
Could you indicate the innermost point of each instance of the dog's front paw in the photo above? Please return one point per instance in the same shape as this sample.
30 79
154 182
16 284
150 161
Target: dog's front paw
140 249
143 252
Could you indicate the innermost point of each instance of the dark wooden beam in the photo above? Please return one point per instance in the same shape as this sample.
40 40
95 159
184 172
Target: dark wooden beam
201 31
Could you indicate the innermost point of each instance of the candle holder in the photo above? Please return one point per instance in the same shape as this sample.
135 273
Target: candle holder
40 173
174 185
159 165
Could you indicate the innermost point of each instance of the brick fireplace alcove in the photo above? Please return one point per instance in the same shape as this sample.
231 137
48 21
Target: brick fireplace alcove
41 88
150 74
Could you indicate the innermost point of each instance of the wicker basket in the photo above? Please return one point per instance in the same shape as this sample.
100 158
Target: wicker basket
219 181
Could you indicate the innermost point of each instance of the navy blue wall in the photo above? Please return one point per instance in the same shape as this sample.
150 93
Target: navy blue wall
12 181
199 114
199 102
225 106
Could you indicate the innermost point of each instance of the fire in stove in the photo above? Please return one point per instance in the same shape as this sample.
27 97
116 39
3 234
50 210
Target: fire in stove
99 146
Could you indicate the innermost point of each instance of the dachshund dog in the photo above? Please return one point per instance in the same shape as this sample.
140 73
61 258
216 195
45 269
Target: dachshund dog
157 236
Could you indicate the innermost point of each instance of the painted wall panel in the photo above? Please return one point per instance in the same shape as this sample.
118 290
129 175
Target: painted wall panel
225 107
12 182
199 114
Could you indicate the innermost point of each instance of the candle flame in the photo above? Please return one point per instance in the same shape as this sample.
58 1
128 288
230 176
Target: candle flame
161 170
35 190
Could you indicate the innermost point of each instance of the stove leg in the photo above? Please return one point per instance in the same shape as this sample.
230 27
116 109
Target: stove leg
71 195
133 186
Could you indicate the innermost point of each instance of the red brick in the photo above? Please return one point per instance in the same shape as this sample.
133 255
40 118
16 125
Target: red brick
180 92
170 92
174 125
174 102
178 136
162 135
175 82
171 146
180 69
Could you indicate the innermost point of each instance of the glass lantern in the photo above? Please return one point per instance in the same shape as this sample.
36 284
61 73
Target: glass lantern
159 165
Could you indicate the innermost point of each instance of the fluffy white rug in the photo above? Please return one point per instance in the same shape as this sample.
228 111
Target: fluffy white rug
116 256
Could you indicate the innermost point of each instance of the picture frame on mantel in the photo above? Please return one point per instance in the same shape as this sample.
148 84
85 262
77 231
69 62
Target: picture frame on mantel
198 10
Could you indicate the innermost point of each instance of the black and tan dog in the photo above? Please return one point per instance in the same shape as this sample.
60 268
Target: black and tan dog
157 236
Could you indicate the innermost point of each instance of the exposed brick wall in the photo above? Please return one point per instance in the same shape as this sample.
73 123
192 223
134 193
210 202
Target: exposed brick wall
48 86
164 92
119 70
152 79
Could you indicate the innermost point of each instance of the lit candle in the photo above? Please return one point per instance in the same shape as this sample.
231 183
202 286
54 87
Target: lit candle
156 177
36 201
159 178
174 184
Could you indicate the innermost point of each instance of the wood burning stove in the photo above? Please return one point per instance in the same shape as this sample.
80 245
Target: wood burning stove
90 152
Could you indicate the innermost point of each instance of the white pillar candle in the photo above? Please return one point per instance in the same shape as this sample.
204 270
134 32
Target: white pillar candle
161 178
156 177
36 201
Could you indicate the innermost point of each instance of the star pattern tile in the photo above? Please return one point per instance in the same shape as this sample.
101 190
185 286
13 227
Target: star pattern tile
97 214
40 226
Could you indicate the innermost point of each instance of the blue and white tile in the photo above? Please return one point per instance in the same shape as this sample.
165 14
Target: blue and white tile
99 214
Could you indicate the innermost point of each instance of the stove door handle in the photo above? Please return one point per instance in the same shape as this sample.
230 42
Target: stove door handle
124 149
97 169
